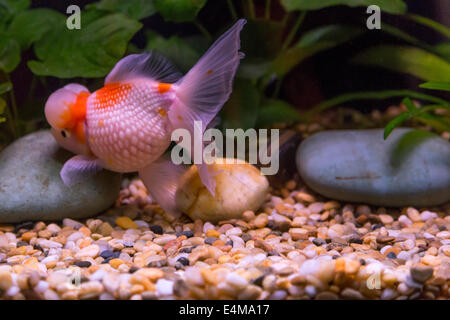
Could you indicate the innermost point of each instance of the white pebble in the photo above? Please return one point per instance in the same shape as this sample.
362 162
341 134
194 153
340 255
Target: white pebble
427 215
164 287
310 291
141 224
50 259
405 220
12 291
238 243
234 232
72 223
383 250
98 275
106 296
75 236
403 255
236 280
41 287
428 236
208 226
443 235
278 295
47 244
388 294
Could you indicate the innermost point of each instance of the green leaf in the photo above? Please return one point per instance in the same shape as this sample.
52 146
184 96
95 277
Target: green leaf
390 6
136 9
312 42
29 26
443 49
405 146
276 111
409 105
5 87
179 10
89 52
430 23
9 8
438 122
394 123
445 86
241 110
2 109
414 61
367 95
253 69
176 49
9 53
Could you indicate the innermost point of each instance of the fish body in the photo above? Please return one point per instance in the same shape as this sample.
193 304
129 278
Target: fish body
126 125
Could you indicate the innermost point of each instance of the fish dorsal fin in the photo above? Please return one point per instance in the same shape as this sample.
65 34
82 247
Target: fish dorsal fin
148 64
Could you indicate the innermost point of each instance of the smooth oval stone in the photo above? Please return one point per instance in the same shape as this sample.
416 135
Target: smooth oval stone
31 187
411 167
239 187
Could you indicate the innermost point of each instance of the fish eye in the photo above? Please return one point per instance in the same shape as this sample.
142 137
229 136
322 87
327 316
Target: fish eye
65 133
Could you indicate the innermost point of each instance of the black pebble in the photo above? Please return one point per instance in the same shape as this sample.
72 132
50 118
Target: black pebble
116 254
246 237
362 261
184 261
377 226
328 240
319 242
355 240
229 243
391 255
186 250
335 257
210 240
21 244
273 253
133 269
107 260
442 228
83 264
106 254
157 264
271 224
156 229
37 247
24 225
258 281
188 233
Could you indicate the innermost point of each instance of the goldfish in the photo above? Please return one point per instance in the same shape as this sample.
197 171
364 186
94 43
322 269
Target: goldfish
126 125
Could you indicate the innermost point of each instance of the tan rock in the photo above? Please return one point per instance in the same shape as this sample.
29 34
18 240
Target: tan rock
239 187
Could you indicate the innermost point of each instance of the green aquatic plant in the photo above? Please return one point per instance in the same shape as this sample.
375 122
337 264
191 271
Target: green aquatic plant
274 45
424 114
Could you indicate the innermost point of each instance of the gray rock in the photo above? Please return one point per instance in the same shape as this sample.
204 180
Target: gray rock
411 167
31 187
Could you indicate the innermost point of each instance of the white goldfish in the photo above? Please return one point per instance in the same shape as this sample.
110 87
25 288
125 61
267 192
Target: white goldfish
126 125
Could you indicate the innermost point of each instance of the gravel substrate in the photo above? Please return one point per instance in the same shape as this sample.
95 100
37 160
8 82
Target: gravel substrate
298 246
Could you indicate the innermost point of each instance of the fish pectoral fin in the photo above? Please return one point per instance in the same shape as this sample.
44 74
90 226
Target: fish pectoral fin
150 65
162 178
78 168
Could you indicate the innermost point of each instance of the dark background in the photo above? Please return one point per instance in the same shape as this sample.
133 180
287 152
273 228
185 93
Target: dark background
325 75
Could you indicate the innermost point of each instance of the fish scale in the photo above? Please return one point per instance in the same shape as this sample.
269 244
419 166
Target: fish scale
127 129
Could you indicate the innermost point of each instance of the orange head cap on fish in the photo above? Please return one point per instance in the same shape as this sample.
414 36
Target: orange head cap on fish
65 111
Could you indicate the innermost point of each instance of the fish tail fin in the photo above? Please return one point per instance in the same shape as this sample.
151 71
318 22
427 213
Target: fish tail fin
202 92
161 178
